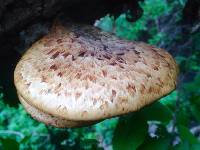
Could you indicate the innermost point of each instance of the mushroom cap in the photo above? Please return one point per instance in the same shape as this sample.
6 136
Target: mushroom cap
51 120
80 73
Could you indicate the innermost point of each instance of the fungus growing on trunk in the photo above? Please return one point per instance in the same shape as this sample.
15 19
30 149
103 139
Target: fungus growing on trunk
78 75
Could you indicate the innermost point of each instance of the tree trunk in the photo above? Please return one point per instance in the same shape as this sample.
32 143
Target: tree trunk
17 14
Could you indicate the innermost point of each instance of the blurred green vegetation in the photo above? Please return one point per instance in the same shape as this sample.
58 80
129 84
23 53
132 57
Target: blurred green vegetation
172 123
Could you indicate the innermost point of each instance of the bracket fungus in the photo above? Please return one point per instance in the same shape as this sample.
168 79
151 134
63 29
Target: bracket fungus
78 75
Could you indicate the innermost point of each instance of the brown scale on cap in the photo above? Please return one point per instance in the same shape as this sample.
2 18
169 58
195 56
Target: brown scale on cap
107 56
142 89
55 55
51 51
66 54
59 41
49 43
78 94
53 67
105 73
44 79
92 74
131 88
60 74
114 93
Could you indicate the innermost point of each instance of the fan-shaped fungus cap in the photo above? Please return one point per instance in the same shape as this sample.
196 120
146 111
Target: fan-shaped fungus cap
80 73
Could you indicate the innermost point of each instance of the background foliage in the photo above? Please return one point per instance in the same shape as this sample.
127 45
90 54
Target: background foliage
172 123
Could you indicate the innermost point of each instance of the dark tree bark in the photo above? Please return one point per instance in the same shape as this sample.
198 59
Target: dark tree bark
17 14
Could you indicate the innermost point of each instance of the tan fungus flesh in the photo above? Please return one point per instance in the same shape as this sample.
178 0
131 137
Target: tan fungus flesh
79 73
51 120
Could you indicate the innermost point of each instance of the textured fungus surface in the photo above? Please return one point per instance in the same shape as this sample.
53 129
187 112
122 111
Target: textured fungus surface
79 73
51 120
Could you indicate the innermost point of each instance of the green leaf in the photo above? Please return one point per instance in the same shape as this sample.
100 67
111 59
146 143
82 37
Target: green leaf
195 147
157 111
195 99
185 134
195 112
106 23
135 127
185 145
25 139
182 117
170 100
182 146
130 133
9 144
89 144
162 143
